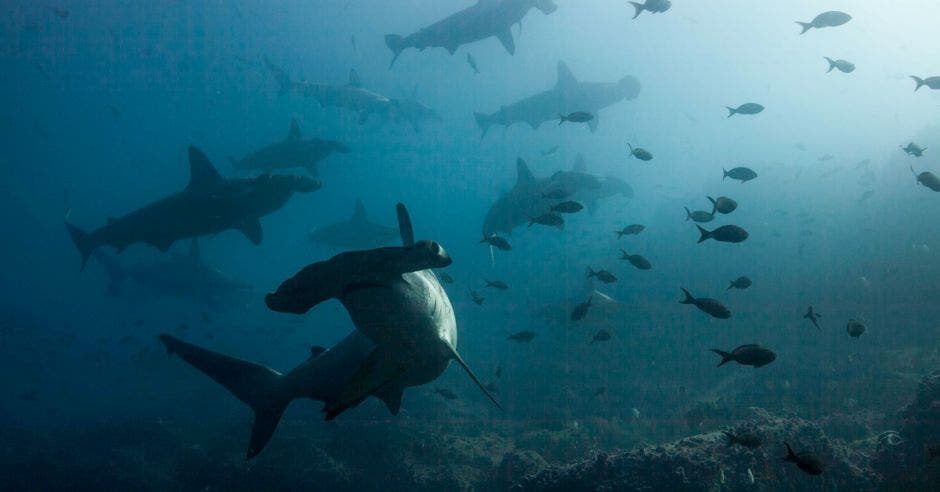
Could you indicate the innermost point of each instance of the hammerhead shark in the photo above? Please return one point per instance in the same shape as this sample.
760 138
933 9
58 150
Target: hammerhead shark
484 19
406 335
208 205
290 153
567 96
357 232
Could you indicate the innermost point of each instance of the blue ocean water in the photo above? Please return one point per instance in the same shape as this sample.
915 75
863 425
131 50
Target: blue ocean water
101 100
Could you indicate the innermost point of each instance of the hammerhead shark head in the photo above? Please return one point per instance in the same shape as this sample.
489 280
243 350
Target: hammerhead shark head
208 205
529 197
406 335
482 20
290 153
568 95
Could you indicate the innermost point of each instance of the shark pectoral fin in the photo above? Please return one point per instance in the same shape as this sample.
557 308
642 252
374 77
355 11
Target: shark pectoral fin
251 228
592 125
391 394
505 37
460 361
379 369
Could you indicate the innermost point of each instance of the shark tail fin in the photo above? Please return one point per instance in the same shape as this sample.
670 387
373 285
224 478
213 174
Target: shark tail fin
83 242
257 386
473 376
725 356
806 26
396 43
484 122
639 8
283 79
919 81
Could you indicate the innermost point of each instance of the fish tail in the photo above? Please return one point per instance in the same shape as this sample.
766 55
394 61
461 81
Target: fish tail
619 234
484 122
283 79
714 203
688 214
591 272
919 81
639 8
725 357
731 286
396 43
688 297
83 241
806 26
561 119
259 387
731 111
832 64
705 234
791 456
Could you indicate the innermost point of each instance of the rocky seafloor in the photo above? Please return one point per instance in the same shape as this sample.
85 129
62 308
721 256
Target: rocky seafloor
862 451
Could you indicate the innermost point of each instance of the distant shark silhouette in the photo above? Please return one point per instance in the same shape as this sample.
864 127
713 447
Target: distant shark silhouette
484 19
183 276
568 95
208 205
406 335
528 199
353 97
292 152
357 232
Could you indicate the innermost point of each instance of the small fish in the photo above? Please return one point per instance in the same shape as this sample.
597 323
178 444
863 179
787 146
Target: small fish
930 82
556 194
831 18
635 412
524 336
602 275
641 154
500 243
928 179
576 117
743 174
813 317
855 328
740 283
496 284
722 205
445 277
746 439
724 234
446 393
707 305
699 215
637 261
550 219
568 207
808 462
747 355
550 151
651 6
581 310
843 66
914 149
601 336
746 108
476 298
630 230
473 63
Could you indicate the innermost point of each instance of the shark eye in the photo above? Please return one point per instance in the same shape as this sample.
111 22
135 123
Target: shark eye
435 248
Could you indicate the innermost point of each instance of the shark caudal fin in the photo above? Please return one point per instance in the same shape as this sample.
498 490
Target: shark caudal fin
484 122
396 43
806 26
83 241
725 356
283 79
257 386
920 82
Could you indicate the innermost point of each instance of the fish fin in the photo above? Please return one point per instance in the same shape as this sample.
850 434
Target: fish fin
405 229
380 368
396 43
354 80
704 233
920 82
251 228
566 80
688 214
460 361
484 121
639 8
391 394
592 124
505 37
725 174
832 64
689 299
202 174
806 26
725 356
524 176
83 241
731 111
256 385
293 135
791 456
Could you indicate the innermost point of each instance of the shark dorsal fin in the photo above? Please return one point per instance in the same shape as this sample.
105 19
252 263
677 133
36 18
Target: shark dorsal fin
354 78
194 251
359 215
566 79
202 174
523 174
293 135
404 226
579 165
